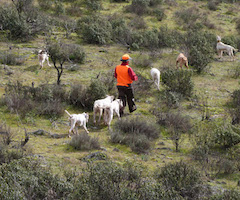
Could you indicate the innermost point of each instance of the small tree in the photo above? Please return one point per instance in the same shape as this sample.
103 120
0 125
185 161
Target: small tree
61 53
176 124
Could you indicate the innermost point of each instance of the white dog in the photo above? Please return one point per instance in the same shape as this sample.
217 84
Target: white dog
42 56
78 119
221 47
155 73
100 105
112 108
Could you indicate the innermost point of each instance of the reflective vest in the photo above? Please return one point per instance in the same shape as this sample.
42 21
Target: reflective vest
123 78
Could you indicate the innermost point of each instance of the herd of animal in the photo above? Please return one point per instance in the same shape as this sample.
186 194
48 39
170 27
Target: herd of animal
108 106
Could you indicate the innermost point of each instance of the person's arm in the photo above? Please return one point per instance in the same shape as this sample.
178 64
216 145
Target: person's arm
132 74
115 74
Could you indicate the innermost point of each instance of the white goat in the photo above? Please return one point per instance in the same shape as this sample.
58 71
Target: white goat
112 108
78 119
221 47
42 56
100 105
155 73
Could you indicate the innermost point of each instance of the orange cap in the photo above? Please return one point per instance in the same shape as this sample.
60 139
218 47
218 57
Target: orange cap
126 57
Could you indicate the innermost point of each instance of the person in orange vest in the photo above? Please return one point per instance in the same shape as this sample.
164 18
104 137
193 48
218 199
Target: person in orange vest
125 76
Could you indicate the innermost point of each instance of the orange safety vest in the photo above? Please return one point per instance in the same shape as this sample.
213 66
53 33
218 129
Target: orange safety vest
123 78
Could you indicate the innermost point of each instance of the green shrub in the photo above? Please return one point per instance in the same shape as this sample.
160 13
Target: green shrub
139 126
155 2
94 5
139 7
142 61
28 179
227 194
187 17
200 48
23 25
134 132
9 58
159 13
45 4
169 38
182 178
119 1
108 180
78 54
85 97
44 100
179 81
76 95
7 154
213 5
238 25
96 90
84 142
234 107
151 39
59 8
95 29
120 30
227 136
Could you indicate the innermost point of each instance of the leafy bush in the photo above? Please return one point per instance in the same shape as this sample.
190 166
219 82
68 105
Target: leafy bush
94 5
120 30
213 5
85 97
108 180
59 8
187 17
28 179
155 2
6 133
74 10
139 126
200 48
7 154
151 39
78 54
76 96
169 38
171 99
139 7
134 132
159 13
238 25
45 4
84 142
234 107
22 24
96 90
138 23
95 29
227 136
9 58
119 0
227 194
182 178
43 100
179 81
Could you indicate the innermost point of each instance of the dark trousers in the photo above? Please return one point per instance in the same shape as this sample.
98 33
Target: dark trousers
126 95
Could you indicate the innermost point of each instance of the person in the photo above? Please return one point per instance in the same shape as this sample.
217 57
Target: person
125 76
